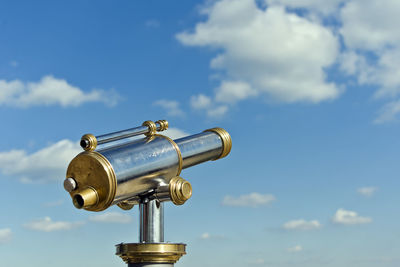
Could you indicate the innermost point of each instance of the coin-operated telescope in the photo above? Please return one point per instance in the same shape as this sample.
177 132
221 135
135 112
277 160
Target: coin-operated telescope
114 169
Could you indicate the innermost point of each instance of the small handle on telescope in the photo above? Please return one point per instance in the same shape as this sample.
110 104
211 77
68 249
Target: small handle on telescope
89 142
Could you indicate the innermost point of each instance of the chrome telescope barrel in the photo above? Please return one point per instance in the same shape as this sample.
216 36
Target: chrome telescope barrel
204 146
148 167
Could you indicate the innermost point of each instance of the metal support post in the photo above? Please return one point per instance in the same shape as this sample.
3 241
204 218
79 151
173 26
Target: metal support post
151 251
151 221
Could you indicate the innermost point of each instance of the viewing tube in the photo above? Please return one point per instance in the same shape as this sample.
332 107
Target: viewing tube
101 178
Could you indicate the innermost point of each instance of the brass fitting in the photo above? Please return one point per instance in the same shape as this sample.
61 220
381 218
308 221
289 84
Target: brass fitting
163 125
180 190
85 198
152 128
88 142
126 205
95 181
226 141
150 252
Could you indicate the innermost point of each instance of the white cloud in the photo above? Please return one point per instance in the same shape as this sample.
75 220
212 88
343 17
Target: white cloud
111 217
50 91
370 28
231 92
171 106
388 112
200 101
352 63
217 112
348 217
386 73
295 249
302 224
250 200
174 133
370 25
205 103
367 191
325 7
5 235
46 224
47 164
269 51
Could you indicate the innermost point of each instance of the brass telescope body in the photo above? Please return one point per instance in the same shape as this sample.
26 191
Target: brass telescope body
116 170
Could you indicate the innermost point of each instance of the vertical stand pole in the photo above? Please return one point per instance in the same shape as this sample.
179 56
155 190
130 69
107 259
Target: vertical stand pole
151 251
151 227
151 221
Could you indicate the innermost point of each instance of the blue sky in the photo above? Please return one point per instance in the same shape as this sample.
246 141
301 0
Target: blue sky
308 90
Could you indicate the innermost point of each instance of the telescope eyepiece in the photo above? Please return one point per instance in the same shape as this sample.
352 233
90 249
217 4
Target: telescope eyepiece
84 144
86 198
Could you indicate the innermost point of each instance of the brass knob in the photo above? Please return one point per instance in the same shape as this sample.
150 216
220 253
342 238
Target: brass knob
125 205
88 142
70 184
152 128
180 190
163 125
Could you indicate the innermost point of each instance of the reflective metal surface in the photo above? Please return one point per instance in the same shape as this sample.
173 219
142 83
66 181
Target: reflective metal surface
151 222
141 165
101 139
199 148
125 171
150 265
150 253
118 142
69 184
160 125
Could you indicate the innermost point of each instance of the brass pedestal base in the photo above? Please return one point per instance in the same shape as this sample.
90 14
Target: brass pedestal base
150 253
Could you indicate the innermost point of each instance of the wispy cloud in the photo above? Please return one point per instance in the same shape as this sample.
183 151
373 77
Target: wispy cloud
302 224
171 107
367 191
5 235
295 249
45 165
207 236
46 224
388 112
14 63
347 217
249 200
111 217
200 101
152 23
54 203
51 91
